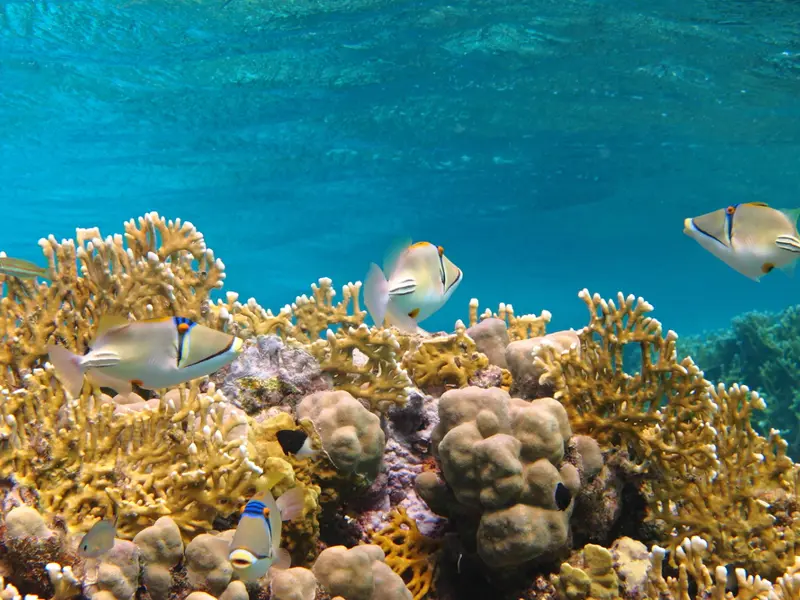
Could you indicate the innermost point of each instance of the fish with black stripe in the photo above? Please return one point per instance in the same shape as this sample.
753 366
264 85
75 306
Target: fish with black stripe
751 238
421 280
152 353
255 546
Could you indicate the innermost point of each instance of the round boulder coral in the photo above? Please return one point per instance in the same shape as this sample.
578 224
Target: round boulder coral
351 435
503 462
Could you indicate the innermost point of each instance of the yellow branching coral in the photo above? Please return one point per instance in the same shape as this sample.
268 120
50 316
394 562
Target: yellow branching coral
303 322
447 360
716 476
364 362
409 553
86 462
156 267
729 505
617 408
600 574
519 328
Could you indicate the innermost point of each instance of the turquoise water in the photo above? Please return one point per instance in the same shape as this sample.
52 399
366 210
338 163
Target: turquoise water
547 145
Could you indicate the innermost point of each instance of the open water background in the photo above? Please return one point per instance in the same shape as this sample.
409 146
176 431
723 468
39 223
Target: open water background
548 145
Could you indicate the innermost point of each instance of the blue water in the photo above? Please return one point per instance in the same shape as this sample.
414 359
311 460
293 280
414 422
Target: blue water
547 145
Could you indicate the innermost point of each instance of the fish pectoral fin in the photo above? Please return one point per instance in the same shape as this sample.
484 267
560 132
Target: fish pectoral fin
403 287
789 243
97 359
283 560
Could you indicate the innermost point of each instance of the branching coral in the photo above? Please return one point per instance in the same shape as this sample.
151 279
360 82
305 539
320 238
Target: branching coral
519 328
445 361
761 350
364 362
302 322
715 476
88 463
165 268
409 553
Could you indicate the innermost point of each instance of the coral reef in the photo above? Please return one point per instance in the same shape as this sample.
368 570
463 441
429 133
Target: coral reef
497 460
761 350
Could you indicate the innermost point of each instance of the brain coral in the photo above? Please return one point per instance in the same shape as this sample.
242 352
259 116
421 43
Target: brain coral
503 461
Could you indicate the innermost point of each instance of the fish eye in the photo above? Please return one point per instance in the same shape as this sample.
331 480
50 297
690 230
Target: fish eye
441 250
266 512
730 210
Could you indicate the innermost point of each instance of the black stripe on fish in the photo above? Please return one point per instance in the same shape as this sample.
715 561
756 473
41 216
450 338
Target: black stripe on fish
705 233
563 496
455 281
223 351
291 440
441 269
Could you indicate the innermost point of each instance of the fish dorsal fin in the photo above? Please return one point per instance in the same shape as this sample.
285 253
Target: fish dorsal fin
757 204
108 323
393 253
791 213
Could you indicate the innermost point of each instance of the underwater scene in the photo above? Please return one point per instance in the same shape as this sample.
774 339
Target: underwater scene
372 300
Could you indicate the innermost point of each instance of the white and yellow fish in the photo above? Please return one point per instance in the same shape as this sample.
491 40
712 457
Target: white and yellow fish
421 279
152 353
751 238
255 546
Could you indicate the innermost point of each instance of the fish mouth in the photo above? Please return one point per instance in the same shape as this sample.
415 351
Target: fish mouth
689 226
241 559
237 346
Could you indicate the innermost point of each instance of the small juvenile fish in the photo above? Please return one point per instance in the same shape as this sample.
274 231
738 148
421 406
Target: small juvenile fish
562 496
98 540
295 441
255 546
22 269
152 353
421 279
751 238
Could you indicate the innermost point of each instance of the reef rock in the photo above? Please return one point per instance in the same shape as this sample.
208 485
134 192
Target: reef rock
269 373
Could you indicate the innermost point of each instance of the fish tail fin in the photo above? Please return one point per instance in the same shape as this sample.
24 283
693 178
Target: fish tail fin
376 294
69 368
291 504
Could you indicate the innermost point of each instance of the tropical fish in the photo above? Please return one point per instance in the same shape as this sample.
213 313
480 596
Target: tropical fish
255 546
421 279
562 496
751 238
22 269
99 539
295 441
153 354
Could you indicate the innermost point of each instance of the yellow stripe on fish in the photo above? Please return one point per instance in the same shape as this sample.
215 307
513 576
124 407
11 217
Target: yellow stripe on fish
752 238
420 281
152 353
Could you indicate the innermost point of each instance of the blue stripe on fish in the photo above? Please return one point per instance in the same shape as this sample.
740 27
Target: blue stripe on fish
183 321
254 508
